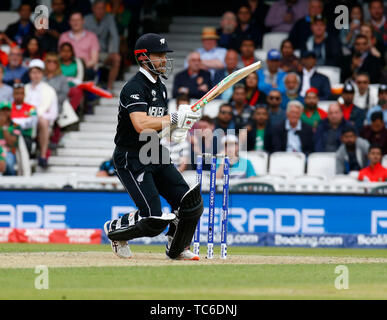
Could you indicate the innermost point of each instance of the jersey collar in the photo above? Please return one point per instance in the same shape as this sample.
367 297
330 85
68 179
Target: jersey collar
147 74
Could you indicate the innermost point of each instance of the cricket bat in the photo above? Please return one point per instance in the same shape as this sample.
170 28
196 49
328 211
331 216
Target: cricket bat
222 86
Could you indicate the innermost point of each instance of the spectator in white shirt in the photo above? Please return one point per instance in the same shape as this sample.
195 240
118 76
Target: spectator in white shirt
365 97
44 98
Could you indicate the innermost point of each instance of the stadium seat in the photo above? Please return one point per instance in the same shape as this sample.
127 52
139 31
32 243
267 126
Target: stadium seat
342 179
324 105
333 73
384 161
273 40
288 163
6 18
259 161
309 179
260 54
322 163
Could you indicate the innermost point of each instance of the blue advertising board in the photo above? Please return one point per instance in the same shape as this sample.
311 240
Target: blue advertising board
254 219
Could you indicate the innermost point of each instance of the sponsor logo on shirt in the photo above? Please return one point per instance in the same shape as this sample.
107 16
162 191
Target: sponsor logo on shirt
135 96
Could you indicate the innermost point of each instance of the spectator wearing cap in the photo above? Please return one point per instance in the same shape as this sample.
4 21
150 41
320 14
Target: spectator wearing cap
257 134
277 115
376 132
365 95
107 169
104 27
301 30
327 47
351 113
231 61
360 61
24 115
289 61
247 28
293 135
382 104
272 77
241 110
225 120
9 136
283 14
211 55
352 154
226 32
378 20
311 78
85 43
328 133
23 27
247 56
15 71
253 95
312 114
240 167
44 98
193 81
5 90
375 172
292 87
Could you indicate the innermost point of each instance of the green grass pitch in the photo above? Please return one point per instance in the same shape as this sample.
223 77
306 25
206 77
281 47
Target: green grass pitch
198 281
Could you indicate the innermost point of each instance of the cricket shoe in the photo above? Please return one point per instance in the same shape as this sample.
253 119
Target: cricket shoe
187 254
120 248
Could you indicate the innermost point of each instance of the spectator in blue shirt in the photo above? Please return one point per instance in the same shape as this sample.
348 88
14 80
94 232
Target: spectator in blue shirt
14 71
382 104
240 167
272 77
23 27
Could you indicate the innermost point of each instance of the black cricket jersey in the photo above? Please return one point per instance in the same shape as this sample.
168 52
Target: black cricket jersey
140 94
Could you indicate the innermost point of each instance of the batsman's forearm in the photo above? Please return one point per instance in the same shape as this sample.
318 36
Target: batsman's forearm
141 123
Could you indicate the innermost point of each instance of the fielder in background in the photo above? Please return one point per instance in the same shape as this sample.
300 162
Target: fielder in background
143 108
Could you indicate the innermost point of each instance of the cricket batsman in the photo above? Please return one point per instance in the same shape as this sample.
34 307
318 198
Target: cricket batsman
143 106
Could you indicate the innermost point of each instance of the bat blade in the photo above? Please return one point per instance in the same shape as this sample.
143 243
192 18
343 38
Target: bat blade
226 83
219 88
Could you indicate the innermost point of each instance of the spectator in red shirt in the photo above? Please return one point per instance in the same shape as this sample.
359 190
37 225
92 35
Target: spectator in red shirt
375 172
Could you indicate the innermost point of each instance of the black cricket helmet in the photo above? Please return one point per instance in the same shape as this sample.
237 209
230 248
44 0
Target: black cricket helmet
152 43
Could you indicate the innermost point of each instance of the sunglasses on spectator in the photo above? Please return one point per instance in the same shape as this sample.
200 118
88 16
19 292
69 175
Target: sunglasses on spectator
362 82
226 112
274 98
54 61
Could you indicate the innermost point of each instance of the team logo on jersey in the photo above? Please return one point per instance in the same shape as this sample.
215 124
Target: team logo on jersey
162 41
154 95
135 96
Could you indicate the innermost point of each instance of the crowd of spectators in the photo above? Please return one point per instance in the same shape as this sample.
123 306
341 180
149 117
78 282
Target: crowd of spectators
41 68
279 104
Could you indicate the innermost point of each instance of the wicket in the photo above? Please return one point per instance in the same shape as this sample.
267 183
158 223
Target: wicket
211 210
